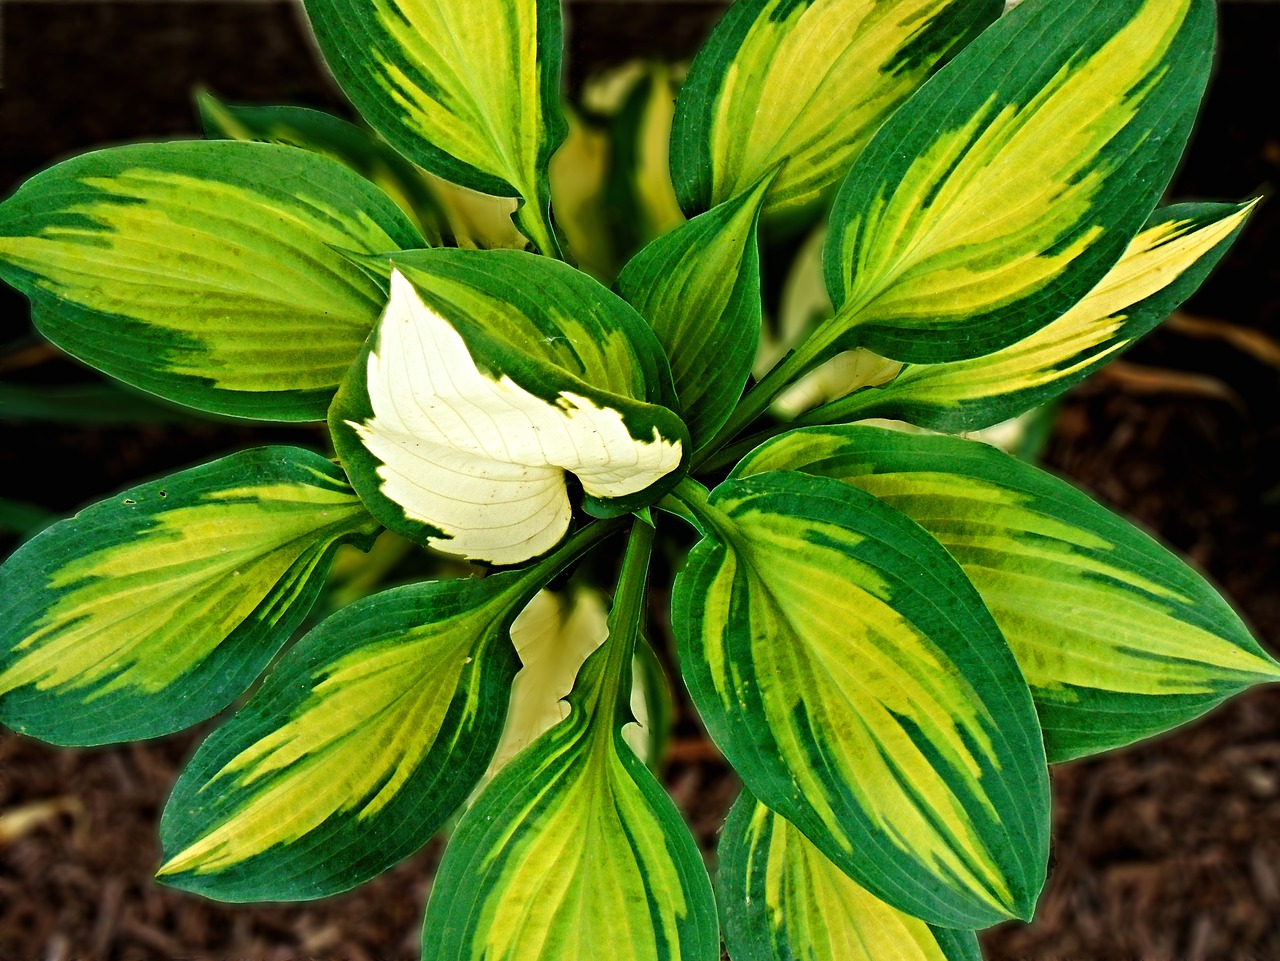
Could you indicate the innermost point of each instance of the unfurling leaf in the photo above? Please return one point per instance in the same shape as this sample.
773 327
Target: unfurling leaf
1116 636
207 273
491 376
152 610
850 673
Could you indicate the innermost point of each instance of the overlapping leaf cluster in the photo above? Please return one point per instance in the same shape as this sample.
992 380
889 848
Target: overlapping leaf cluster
888 631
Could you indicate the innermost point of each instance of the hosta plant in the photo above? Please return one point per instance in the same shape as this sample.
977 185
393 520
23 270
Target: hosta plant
887 627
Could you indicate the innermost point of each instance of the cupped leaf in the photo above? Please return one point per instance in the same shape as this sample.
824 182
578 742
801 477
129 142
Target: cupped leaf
805 84
850 673
574 850
1005 189
1161 268
469 89
491 376
207 273
699 289
780 897
1117 637
152 610
366 736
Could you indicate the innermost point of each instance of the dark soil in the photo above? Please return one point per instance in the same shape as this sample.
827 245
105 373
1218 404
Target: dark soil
1167 852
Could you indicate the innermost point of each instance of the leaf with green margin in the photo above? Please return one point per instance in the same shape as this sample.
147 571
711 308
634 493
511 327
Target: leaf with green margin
154 609
107 403
805 83
1117 637
848 670
699 288
331 137
469 89
204 272
781 898
1005 189
363 740
1161 268
490 376
575 850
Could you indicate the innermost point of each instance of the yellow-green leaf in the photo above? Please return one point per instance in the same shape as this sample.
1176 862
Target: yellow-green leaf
211 274
699 288
574 850
850 673
1005 189
804 84
1162 266
366 736
1117 637
469 89
780 897
152 610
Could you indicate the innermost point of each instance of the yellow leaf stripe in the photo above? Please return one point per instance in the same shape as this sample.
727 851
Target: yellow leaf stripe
1013 203
140 592
805 85
879 734
1116 637
782 898
1160 267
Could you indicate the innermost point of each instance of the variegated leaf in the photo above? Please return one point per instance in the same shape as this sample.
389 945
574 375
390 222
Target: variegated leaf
1007 187
850 673
469 89
207 273
1161 268
367 735
152 610
1117 637
575 850
699 289
780 897
804 84
489 377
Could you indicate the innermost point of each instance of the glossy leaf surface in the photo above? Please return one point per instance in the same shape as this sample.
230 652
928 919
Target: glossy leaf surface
152 610
699 288
1161 268
1117 637
804 84
782 898
851 675
363 740
207 273
1001 193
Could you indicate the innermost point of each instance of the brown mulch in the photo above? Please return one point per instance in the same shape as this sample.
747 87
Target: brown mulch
1168 851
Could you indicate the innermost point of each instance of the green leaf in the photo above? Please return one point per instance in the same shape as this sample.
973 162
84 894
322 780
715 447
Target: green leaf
204 272
23 519
490 376
574 850
1117 637
102 404
363 740
324 134
152 610
1161 268
805 83
1004 190
699 289
851 675
469 89
781 898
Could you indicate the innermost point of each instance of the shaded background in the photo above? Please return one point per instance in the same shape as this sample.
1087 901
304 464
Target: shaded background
1168 851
